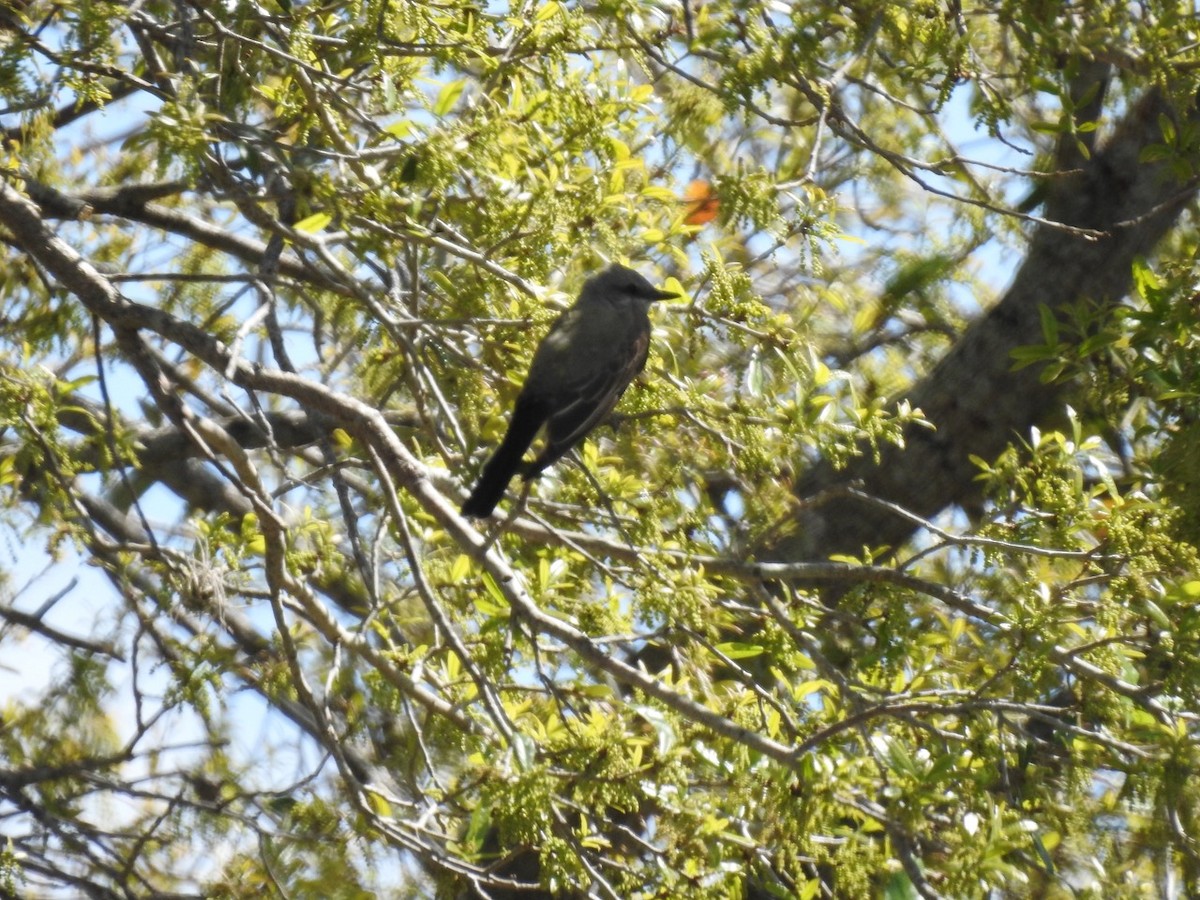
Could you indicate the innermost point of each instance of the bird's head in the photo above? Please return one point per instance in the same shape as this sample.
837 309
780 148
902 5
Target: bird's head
618 284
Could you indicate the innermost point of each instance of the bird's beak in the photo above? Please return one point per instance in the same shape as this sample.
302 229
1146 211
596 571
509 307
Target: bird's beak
662 295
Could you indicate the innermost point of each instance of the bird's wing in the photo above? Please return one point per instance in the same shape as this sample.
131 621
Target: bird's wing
580 407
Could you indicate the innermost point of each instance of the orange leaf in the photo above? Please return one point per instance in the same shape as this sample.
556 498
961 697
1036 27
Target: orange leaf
702 203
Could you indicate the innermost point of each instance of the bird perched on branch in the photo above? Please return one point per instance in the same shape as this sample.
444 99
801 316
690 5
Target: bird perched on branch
579 372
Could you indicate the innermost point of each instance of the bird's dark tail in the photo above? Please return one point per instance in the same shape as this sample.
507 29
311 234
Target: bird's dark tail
505 462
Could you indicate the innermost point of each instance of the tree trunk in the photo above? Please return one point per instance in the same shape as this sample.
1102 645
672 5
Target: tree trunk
1117 208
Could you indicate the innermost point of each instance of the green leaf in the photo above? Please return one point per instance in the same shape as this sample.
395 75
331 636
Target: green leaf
1043 854
642 93
313 224
1145 282
1156 613
1098 341
460 569
1047 127
478 828
401 128
378 803
1049 324
1155 153
448 96
494 592
738 650
661 724
1052 371
900 887
658 192
524 751
1167 127
1027 356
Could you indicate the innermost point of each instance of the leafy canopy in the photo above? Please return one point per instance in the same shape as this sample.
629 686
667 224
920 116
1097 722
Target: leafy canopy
273 274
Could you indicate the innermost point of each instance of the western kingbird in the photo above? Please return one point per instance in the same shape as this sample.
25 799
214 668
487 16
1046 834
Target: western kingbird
579 372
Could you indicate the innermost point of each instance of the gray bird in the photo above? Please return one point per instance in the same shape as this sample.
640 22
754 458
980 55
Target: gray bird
579 372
